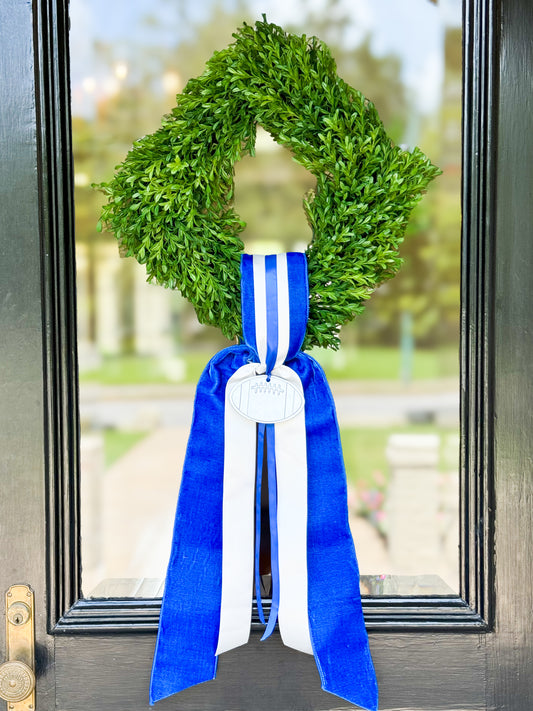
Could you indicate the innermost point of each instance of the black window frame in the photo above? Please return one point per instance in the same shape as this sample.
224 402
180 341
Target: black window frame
472 609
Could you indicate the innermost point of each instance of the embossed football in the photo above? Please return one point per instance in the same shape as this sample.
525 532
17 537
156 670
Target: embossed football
268 401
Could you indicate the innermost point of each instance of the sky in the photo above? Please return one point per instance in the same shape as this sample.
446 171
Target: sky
411 29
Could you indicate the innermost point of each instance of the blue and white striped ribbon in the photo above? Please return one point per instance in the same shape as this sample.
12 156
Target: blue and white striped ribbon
275 297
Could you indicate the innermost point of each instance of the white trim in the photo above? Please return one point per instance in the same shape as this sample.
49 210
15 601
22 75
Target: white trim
260 306
284 324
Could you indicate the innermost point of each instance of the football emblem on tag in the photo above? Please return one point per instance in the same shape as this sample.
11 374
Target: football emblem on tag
267 401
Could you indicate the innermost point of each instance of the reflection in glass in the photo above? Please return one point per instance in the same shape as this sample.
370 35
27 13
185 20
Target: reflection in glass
141 350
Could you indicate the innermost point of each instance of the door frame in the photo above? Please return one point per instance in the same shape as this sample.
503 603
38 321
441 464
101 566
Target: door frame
471 610
470 652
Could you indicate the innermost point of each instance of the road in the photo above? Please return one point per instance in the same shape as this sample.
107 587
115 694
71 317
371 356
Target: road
145 407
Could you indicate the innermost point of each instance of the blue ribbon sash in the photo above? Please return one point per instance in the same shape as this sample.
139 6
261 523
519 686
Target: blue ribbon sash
315 577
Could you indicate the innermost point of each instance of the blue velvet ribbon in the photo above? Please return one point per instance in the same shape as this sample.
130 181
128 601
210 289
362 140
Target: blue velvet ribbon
261 427
266 436
190 612
273 519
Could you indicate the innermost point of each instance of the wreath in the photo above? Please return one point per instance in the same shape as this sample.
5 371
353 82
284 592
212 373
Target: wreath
170 201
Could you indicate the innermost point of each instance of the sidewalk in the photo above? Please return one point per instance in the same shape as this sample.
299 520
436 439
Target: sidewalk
139 496
127 529
357 403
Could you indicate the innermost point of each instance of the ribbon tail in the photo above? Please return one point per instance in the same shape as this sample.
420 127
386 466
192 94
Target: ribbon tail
338 634
291 467
257 545
273 511
238 524
185 653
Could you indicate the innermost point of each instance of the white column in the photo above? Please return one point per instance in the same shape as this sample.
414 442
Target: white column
92 480
153 325
108 327
88 356
413 504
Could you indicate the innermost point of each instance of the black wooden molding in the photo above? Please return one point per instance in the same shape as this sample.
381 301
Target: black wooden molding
472 609
60 365
480 53
381 615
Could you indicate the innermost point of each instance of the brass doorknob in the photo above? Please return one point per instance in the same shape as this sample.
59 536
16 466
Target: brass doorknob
17 676
17 681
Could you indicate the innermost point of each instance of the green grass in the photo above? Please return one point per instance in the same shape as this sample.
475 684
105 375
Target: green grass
126 370
195 364
347 364
118 442
374 363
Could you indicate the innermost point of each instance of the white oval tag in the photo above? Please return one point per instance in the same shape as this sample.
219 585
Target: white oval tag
275 400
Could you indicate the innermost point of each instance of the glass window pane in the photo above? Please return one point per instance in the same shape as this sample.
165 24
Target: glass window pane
395 379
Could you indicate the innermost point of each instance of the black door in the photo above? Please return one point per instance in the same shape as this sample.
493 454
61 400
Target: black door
461 652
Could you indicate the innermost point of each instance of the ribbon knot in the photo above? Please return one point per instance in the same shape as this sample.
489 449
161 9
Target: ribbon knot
275 305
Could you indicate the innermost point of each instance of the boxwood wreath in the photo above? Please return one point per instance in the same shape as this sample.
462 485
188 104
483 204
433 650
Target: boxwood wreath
170 201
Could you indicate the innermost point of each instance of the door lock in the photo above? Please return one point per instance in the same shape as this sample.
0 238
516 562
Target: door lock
17 675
